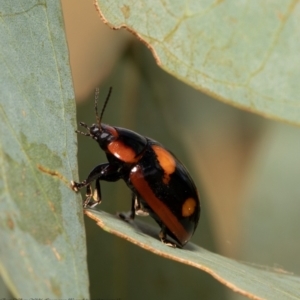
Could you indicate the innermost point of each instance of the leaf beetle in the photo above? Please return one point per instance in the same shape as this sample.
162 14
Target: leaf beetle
161 185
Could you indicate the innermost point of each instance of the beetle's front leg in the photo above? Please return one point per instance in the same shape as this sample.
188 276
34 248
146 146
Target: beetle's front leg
107 172
129 216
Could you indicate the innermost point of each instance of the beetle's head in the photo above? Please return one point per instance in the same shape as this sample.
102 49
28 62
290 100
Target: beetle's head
101 133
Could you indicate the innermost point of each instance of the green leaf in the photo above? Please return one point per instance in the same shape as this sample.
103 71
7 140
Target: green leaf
245 279
42 253
243 53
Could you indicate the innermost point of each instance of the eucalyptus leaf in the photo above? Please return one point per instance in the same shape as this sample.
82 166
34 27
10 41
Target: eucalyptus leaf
42 252
250 281
243 53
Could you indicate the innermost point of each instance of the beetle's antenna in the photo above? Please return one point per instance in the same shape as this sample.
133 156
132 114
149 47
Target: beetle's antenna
98 119
96 105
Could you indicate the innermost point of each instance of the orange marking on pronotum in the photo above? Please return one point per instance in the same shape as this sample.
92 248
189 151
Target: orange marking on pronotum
122 152
163 212
166 161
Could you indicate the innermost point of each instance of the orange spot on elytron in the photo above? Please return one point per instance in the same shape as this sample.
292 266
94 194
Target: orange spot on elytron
188 207
122 152
166 161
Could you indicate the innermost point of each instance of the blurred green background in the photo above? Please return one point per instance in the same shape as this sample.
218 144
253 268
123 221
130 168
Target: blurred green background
247 168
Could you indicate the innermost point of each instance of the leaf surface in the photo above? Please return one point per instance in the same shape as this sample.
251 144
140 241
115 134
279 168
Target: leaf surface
250 281
244 53
42 252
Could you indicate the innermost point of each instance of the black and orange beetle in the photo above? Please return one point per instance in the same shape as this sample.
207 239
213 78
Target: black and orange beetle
161 186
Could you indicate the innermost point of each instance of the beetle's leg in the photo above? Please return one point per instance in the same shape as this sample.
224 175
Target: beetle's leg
132 211
136 209
89 197
139 209
163 237
96 172
88 194
129 216
97 192
107 172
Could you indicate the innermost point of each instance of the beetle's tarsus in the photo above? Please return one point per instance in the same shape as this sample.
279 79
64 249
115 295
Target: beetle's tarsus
126 216
163 238
74 186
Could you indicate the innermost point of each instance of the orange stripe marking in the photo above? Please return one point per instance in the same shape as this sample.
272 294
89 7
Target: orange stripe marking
163 212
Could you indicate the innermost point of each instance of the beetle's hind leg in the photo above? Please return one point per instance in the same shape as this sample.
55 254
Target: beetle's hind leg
163 237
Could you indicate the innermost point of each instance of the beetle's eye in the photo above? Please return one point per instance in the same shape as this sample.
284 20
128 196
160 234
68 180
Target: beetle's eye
94 129
104 135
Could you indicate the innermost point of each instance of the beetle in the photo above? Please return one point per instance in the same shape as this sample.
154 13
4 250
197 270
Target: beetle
161 185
